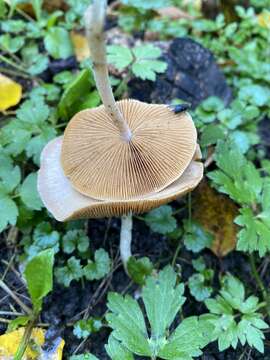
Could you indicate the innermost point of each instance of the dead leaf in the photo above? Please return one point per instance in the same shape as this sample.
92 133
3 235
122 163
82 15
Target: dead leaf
48 5
216 213
174 13
9 343
10 92
80 45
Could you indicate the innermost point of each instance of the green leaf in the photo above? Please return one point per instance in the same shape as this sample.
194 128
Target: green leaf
11 44
29 193
195 237
44 237
95 270
39 277
75 239
58 44
13 26
162 300
139 269
37 6
119 56
8 212
78 92
161 220
72 271
116 351
147 5
84 328
212 104
33 112
255 94
146 66
211 134
254 236
185 342
236 176
10 176
127 321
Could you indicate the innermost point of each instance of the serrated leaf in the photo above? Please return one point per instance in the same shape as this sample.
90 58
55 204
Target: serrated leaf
161 220
95 270
116 351
127 321
162 300
33 112
29 193
119 56
185 342
39 277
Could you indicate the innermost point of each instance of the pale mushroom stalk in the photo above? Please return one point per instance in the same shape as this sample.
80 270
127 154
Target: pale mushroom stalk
94 24
126 238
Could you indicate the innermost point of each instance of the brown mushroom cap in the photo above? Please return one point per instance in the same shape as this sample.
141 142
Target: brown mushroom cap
100 164
65 203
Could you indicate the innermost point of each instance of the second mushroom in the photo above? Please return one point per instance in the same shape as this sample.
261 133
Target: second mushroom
120 158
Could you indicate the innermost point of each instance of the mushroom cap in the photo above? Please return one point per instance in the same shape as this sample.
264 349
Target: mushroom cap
65 203
100 164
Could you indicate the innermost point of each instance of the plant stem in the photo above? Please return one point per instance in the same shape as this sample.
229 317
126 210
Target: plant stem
94 24
125 239
25 339
259 282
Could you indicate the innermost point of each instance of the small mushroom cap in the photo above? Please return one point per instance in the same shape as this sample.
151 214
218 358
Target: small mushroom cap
65 203
100 164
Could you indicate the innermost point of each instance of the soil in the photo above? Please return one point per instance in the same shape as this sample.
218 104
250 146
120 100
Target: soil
66 305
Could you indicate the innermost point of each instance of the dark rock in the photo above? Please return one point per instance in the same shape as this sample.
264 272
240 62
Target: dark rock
192 75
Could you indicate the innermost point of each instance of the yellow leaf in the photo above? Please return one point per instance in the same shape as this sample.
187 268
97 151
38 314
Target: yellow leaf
80 45
216 213
10 93
9 343
264 19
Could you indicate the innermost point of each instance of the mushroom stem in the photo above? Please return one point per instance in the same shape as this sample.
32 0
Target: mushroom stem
94 24
125 239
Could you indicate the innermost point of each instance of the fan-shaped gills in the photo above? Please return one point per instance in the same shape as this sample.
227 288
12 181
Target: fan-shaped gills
100 164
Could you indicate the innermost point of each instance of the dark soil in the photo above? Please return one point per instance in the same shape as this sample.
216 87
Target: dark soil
188 73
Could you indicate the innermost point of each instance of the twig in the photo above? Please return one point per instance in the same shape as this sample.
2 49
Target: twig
25 308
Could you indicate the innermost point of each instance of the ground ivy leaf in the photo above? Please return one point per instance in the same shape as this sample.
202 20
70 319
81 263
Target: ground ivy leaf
161 220
29 193
33 111
139 269
75 239
198 288
72 271
97 269
8 212
84 328
195 237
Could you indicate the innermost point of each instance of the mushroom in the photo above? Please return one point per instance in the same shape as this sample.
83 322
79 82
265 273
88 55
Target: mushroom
120 158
